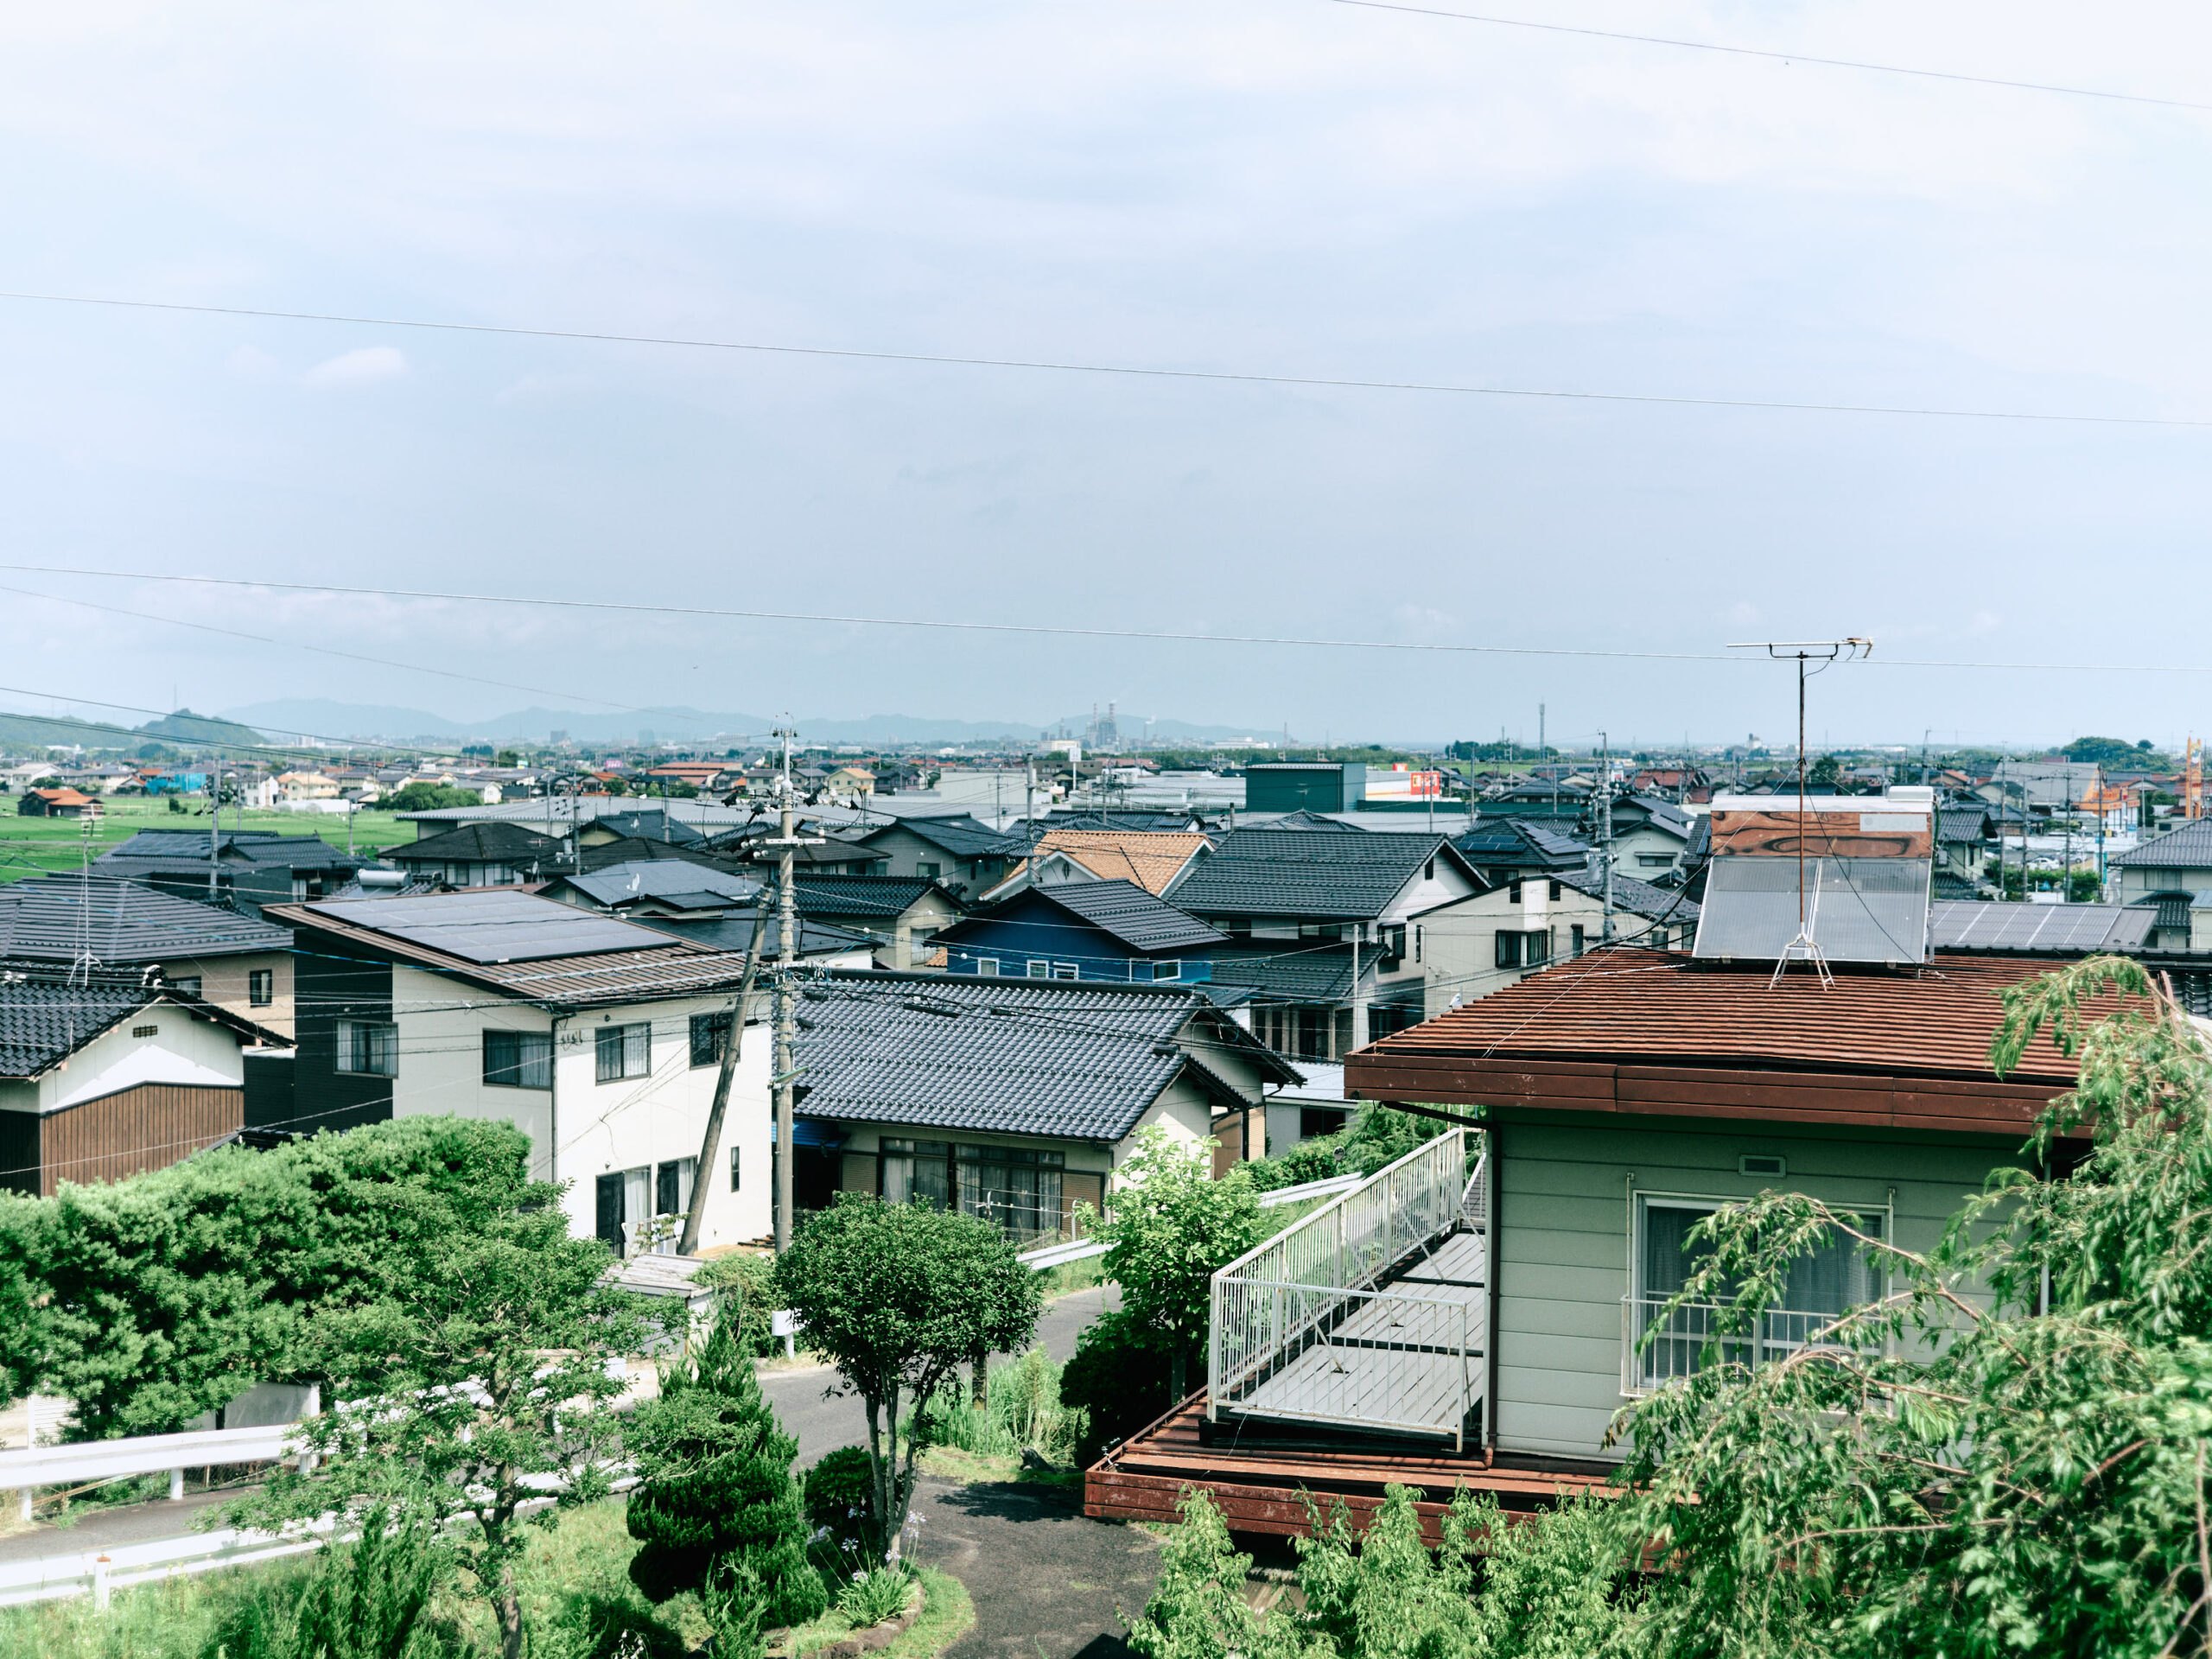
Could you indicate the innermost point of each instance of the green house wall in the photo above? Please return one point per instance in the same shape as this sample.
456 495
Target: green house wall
1563 1269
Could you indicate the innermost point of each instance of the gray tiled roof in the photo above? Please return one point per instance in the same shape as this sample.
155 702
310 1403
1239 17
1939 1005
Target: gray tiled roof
42 1021
734 933
476 843
1305 874
1522 842
963 837
1136 918
1289 972
1637 897
671 880
55 919
883 896
1073 1061
168 850
2189 848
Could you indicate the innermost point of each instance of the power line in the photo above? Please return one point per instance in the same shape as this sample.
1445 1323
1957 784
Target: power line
327 650
1131 370
1054 630
1776 57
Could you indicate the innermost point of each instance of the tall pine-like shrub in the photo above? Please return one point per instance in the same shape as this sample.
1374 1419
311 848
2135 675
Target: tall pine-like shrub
716 1493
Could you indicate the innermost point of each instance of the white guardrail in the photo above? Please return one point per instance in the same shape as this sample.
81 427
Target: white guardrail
25 1468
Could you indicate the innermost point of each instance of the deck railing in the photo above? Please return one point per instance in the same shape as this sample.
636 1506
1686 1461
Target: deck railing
1273 1302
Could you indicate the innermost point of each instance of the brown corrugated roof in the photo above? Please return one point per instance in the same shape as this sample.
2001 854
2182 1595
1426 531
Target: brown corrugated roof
1658 1007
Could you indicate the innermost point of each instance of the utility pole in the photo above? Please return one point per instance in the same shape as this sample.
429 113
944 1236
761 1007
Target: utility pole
1605 830
784 1055
710 1143
214 823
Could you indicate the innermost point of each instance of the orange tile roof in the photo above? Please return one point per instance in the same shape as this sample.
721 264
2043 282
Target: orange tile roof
1151 858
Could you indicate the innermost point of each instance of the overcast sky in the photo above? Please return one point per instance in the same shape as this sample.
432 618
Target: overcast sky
1275 186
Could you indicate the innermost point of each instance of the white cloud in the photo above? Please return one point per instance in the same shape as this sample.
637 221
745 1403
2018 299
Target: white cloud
359 368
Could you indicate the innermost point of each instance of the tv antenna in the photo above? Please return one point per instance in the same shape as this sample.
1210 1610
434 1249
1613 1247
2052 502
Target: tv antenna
1806 652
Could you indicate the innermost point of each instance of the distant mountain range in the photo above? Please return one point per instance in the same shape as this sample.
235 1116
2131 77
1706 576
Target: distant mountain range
285 718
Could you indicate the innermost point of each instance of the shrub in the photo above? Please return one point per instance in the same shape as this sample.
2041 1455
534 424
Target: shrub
1118 1379
870 1598
1023 1411
716 1491
839 1498
745 1288
367 1600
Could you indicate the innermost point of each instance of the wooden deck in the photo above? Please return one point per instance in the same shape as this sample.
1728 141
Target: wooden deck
1414 1365
1264 1486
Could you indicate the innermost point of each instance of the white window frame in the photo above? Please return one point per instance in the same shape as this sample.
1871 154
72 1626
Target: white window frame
1635 1316
621 1032
1166 970
1066 970
1039 969
987 966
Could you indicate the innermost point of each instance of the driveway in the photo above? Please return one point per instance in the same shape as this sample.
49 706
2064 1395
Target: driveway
1048 1582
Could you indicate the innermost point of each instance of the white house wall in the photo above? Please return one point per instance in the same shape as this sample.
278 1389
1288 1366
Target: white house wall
582 1128
186 1052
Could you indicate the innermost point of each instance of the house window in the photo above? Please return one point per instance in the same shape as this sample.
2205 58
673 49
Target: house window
1039 969
733 1168
145 1031
518 1060
189 984
1429 871
917 1172
1580 940
1655 860
1513 891
1555 892
708 1031
1066 970
1166 970
1819 1285
1015 1187
1523 948
672 1186
369 1047
621 1199
625 1051
1658 939
988 967
929 871
260 987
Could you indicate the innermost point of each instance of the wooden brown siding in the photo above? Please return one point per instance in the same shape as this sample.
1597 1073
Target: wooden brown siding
150 1126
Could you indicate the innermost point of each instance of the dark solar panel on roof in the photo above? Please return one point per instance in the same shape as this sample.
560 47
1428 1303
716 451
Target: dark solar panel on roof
491 927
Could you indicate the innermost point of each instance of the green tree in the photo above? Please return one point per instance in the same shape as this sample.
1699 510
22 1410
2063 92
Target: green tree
1825 775
2008 1454
477 1384
898 1296
153 1299
716 1493
1172 1226
422 796
2108 751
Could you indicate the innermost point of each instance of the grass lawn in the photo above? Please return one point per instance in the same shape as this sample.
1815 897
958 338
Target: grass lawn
34 846
577 1603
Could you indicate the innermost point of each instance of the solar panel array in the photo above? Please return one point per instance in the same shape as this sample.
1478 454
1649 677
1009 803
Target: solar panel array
1968 924
494 927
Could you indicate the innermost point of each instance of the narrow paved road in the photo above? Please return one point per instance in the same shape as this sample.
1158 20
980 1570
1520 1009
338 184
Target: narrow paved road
824 1424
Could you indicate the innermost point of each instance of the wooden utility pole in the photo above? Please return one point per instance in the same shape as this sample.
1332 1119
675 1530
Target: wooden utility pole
711 1144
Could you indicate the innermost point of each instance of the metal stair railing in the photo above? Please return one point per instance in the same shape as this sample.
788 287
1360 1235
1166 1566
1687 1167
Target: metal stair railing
1277 1300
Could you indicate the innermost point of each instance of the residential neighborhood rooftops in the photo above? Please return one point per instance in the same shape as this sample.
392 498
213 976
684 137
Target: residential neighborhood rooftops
1077 1061
1302 873
1150 858
1526 844
670 881
171 850
883 896
962 836
45 1018
1636 898
58 918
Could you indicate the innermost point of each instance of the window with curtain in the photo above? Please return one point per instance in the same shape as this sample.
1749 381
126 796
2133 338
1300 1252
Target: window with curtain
368 1046
1016 1188
1831 1277
624 1051
708 1033
917 1172
518 1060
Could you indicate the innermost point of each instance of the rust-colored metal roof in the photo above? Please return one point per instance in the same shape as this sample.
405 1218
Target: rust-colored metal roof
1658 1007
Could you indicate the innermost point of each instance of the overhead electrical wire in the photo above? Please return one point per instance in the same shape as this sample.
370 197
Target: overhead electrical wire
1168 636
1774 56
1331 383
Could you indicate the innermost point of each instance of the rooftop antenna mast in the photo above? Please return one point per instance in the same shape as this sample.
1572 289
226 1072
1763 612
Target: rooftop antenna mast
1804 652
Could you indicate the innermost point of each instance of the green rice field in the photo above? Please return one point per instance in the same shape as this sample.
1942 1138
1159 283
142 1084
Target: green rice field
37 846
